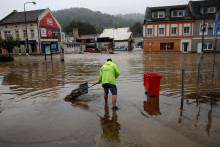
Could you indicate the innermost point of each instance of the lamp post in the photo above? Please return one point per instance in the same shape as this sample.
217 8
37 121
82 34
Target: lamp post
27 47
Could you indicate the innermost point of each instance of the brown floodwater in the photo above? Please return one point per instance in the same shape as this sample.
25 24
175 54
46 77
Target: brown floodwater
33 111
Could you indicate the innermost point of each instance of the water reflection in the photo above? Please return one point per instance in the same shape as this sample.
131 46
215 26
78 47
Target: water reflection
152 105
209 123
110 126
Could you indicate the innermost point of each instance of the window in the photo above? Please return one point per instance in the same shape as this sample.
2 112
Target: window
186 30
17 34
149 32
32 33
211 10
7 34
174 31
24 34
158 14
166 46
178 13
208 10
207 46
161 31
203 28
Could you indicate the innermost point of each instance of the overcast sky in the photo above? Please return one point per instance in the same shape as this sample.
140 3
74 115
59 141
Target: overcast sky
105 6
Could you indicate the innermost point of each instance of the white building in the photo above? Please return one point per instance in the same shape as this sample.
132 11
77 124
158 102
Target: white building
123 38
42 30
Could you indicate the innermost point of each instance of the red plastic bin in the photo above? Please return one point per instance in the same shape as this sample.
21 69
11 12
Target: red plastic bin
152 83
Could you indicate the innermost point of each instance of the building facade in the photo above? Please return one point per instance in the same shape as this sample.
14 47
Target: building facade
42 30
168 29
180 28
122 38
204 13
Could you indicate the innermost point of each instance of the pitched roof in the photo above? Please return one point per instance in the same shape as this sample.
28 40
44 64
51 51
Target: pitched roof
167 9
117 34
18 17
196 6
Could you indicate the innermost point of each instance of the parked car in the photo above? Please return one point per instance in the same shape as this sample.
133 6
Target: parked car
89 50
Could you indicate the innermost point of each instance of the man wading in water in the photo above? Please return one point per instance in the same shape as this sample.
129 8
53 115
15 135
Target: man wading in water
108 73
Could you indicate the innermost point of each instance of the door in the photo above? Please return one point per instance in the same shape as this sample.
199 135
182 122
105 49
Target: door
185 47
199 49
33 48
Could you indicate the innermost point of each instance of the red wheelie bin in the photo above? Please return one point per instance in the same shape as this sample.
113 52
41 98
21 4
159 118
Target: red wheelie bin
152 84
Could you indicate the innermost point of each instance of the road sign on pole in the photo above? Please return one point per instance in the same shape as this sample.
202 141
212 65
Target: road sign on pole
149 44
216 24
215 35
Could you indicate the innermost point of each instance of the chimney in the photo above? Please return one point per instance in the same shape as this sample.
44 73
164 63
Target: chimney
75 34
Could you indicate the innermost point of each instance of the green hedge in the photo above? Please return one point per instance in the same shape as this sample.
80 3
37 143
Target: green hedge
6 58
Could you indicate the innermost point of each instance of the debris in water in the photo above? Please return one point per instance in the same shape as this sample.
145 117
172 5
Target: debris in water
205 97
76 92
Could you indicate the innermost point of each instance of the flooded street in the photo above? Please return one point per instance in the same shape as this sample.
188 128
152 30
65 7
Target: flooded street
33 111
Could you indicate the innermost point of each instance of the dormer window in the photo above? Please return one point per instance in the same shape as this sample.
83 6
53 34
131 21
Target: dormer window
177 13
208 10
158 14
211 10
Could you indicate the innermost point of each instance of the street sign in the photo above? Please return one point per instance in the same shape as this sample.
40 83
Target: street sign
216 24
150 44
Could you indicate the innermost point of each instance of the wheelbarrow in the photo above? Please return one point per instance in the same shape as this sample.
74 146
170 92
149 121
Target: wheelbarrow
83 89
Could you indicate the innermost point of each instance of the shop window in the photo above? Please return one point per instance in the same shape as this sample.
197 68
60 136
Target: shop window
166 46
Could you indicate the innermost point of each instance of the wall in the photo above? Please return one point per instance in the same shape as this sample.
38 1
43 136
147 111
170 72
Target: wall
168 37
156 44
208 36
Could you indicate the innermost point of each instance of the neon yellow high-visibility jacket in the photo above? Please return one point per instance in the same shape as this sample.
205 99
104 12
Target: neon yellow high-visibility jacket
108 73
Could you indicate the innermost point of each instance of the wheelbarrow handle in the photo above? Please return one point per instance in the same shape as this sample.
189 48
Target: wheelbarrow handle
94 84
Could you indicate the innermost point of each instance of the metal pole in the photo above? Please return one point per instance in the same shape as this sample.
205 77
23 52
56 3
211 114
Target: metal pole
203 25
198 74
25 19
182 88
213 66
45 53
27 47
51 53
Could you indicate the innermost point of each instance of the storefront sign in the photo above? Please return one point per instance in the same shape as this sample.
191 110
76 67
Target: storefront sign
50 33
43 32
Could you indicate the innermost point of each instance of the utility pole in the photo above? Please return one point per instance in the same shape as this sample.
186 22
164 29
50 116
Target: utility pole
25 19
203 31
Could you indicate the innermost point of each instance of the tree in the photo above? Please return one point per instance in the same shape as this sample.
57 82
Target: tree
9 43
137 29
83 27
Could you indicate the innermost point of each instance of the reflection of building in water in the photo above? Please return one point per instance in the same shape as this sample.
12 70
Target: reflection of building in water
36 76
151 106
110 127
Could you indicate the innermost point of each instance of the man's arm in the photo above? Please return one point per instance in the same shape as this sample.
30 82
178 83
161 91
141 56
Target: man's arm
100 76
116 71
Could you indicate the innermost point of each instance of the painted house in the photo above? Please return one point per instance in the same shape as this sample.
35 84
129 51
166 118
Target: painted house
168 28
204 13
42 30
122 38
